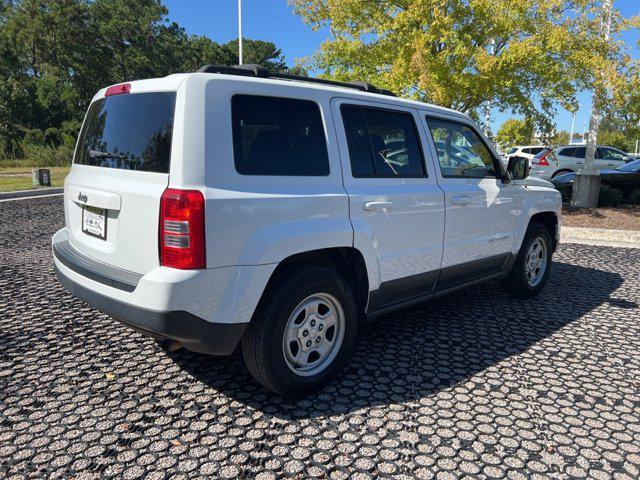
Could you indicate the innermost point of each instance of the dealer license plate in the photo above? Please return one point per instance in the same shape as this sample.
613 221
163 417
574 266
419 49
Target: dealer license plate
94 221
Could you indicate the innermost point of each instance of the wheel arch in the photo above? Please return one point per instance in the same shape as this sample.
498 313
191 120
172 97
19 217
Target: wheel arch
561 171
549 220
348 262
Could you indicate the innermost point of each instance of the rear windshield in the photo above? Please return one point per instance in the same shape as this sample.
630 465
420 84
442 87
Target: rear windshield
129 131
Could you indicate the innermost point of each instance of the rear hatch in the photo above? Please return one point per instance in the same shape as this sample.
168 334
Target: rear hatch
120 170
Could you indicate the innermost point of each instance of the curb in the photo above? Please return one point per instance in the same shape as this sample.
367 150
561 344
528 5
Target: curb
601 237
30 193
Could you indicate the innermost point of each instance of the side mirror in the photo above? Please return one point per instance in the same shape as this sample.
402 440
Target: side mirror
518 168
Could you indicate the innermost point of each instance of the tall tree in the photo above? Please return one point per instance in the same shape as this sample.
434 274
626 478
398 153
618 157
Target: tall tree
514 132
259 52
559 137
55 54
528 56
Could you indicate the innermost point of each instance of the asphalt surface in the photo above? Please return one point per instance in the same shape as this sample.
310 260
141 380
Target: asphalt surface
474 384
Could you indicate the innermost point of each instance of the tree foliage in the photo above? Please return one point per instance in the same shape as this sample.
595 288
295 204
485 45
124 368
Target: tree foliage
55 54
560 137
514 132
617 139
527 56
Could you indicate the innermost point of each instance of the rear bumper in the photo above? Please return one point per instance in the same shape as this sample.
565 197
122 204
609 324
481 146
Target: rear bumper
193 332
205 310
544 173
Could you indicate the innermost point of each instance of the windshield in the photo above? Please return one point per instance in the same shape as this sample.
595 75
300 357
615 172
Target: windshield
633 166
129 131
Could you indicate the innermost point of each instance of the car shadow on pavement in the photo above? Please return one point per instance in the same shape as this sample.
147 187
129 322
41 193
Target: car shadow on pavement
417 352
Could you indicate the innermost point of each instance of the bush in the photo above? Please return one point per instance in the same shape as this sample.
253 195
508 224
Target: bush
609 196
634 197
41 156
34 137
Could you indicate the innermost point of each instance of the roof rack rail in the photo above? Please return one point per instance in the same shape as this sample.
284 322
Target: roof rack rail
253 70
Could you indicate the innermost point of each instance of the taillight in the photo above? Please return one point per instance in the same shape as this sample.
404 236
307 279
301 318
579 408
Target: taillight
542 161
182 229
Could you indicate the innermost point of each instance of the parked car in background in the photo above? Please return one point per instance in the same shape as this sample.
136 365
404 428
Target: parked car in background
570 158
625 178
525 151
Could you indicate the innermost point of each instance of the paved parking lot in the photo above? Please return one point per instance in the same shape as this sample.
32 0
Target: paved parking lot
472 384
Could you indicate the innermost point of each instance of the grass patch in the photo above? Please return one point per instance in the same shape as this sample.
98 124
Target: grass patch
19 178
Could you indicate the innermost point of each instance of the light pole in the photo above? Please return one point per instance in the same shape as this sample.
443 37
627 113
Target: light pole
586 184
573 123
239 32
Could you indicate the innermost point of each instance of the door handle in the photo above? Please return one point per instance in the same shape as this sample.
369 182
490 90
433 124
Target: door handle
461 200
371 206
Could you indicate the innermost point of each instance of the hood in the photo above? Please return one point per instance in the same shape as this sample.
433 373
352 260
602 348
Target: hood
537 182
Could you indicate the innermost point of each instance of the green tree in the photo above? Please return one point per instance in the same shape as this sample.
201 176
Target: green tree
514 132
560 137
528 56
617 139
55 54
258 52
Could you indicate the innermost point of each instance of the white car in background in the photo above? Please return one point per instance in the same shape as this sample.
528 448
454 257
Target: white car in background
524 151
550 163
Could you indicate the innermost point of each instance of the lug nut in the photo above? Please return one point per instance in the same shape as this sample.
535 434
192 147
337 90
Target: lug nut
308 343
317 339
313 323
321 327
305 333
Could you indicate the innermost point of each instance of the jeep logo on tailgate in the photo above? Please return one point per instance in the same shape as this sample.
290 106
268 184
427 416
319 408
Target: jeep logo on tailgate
82 197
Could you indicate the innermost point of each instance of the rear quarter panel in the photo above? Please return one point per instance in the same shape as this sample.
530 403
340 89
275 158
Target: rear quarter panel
257 220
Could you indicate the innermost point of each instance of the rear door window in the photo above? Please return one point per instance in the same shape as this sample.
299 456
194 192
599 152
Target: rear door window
382 143
580 152
278 136
567 152
129 131
536 150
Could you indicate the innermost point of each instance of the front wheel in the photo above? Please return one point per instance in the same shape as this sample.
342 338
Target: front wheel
303 333
533 264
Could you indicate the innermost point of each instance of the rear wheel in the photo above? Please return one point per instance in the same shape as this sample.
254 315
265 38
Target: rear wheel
304 333
531 269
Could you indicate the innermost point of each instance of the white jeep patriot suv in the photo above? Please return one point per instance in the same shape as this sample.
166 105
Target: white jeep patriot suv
234 205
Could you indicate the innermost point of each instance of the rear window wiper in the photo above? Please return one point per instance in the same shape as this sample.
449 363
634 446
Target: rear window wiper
99 154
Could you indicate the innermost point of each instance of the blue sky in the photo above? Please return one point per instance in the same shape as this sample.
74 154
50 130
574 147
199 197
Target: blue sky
275 21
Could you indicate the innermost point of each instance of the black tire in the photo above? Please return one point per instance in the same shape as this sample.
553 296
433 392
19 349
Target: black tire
516 283
262 343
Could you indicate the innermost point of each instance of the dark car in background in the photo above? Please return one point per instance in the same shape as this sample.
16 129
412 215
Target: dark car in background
625 178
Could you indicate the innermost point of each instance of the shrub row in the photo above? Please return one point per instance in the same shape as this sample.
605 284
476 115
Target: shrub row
41 156
610 197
